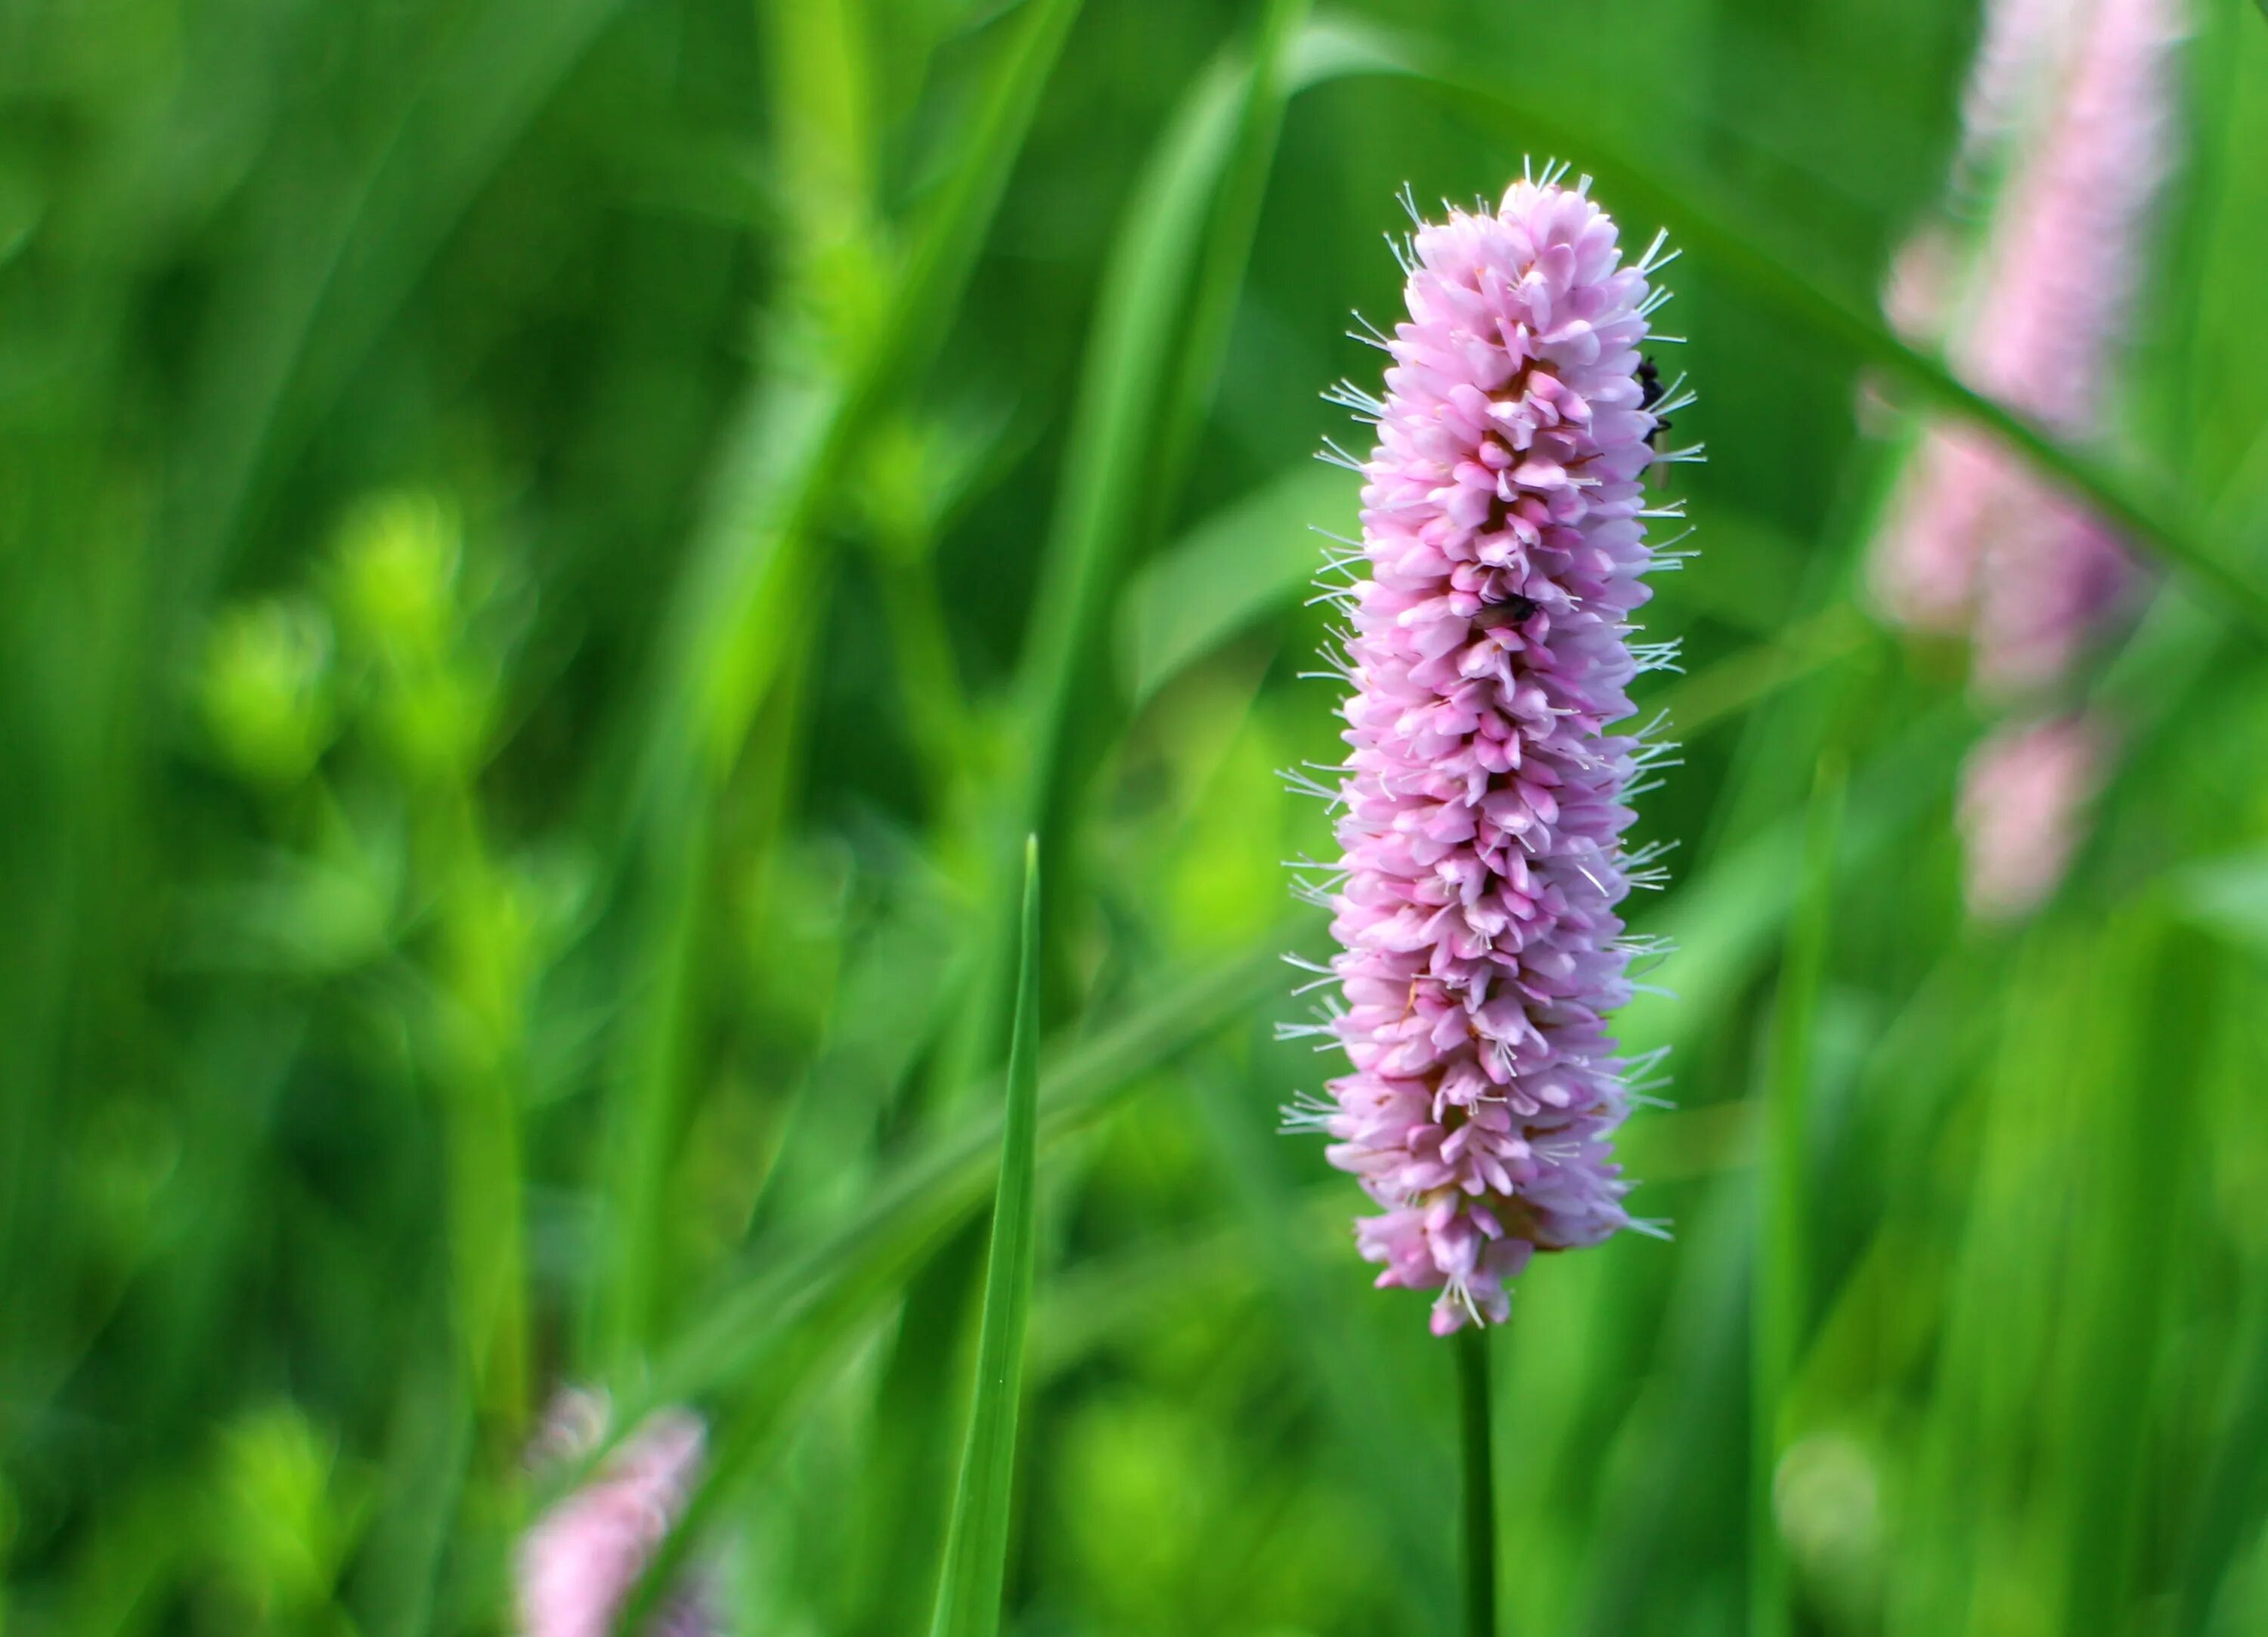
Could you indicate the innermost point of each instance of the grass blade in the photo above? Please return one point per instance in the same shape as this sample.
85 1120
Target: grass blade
763 1342
1783 1267
725 607
742 599
1103 472
1236 219
923 1196
976 1542
1252 559
1168 292
1116 426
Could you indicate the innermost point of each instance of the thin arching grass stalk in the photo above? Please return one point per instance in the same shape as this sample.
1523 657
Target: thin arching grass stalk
1107 469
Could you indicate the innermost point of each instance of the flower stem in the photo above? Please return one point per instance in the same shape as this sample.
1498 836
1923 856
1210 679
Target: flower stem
1480 1482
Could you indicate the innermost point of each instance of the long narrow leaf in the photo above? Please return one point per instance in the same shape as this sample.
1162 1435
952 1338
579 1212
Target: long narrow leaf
976 1543
727 674
1781 1284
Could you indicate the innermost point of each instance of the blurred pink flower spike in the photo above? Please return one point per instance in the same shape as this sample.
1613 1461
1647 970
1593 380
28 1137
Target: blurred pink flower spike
1484 801
2024 796
577 1566
2082 98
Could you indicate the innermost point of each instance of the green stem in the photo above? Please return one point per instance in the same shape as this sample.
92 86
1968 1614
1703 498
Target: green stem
1478 1452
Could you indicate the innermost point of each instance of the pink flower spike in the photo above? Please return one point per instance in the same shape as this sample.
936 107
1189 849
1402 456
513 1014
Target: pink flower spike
2082 97
2024 795
577 1566
1485 802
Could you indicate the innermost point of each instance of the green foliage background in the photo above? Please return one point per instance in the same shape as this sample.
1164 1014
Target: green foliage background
550 550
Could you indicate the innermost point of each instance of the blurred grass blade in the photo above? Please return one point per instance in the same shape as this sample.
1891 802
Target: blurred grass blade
976 1541
737 610
1183 208
2234 1497
286 360
1751 675
1105 465
1690 207
2124 1235
429 1453
1219 144
1783 1244
1248 561
1269 83
922 1196
1108 459
754 584
763 1341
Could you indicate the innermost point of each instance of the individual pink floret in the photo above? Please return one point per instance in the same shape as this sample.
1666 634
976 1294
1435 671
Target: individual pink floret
1485 802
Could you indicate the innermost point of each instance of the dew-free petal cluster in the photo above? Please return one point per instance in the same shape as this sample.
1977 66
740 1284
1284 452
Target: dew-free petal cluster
1485 800
578 1563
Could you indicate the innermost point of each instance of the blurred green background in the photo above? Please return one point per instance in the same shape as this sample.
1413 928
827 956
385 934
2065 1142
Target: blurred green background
550 549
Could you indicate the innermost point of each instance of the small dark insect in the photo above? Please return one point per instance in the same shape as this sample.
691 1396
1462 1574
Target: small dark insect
1514 610
1649 384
